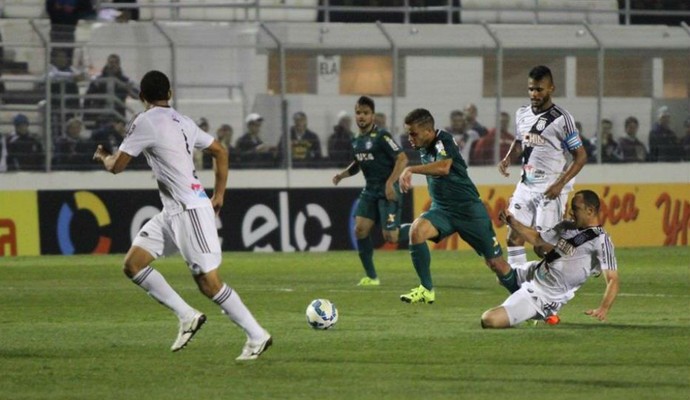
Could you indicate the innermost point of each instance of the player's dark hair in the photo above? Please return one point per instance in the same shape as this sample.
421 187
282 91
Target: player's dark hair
421 117
155 86
590 198
540 72
366 101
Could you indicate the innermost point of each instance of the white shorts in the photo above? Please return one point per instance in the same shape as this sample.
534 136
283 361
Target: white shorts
192 232
533 209
527 303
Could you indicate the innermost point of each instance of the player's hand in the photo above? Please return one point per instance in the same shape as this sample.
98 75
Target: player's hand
390 193
405 180
505 216
337 179
217 202
503 167
553 191
598 313
100 154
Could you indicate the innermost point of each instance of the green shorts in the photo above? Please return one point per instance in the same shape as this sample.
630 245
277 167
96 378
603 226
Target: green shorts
473 225
374 206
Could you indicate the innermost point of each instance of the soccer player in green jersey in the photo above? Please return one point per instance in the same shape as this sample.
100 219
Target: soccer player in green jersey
455 206
381 160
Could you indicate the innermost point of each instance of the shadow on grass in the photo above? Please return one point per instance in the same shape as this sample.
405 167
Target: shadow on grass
610 326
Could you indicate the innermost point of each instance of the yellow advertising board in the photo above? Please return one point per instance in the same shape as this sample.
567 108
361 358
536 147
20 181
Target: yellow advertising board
636 215
19 234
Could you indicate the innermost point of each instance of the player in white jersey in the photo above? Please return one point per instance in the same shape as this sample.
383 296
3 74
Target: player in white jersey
552 155
575 250
187 222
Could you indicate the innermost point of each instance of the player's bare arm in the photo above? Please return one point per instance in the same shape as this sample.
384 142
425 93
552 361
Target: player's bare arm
352 169
113 163
437 168
612 287
400 164
579 161
530 235
220 166
505 162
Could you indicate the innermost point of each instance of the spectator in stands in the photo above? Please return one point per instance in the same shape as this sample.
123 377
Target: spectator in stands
71 151
109 135
663 142
463 137
224 135
610 152
63 87
108 91
457 125
685 140
201 159
380 120
24 152
632 150
3 153
340 152
64 16
305 145
252 149
483 151
2 62
127 14
471 119
588 144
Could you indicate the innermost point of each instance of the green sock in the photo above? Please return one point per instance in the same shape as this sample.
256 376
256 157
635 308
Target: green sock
366 255
404 235
421 259
509 281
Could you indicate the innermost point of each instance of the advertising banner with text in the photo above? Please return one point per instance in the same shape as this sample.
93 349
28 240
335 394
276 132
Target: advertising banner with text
636 215
105 221
19 224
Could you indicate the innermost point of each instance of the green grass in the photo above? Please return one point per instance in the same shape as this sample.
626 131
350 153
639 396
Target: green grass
76 328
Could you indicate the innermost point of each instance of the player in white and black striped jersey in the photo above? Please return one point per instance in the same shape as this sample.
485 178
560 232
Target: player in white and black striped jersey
187 222
552 155
574 250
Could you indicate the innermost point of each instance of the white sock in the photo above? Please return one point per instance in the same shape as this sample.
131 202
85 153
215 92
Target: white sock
517 255
238 313
157 287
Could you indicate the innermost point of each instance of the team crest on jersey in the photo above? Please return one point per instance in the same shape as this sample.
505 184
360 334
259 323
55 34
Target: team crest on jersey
440 150
368 145
541 124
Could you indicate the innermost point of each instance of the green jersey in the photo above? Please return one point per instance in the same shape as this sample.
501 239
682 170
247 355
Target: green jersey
376 153
456 189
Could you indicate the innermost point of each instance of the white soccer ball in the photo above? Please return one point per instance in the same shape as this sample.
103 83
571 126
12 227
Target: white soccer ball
321 314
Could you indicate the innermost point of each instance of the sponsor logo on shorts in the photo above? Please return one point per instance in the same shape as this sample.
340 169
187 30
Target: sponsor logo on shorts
144 234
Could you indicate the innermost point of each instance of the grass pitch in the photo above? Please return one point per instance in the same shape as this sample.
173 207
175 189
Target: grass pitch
76 328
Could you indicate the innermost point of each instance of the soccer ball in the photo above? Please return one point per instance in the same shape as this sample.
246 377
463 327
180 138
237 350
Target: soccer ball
321 314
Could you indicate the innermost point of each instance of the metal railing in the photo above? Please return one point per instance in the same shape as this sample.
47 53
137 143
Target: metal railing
407 9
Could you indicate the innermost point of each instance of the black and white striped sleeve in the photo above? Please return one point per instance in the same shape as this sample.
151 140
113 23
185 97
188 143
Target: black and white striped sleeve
607 256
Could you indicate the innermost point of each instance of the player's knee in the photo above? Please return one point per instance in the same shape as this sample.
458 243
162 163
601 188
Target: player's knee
209 283
489 320
417 234
131 268
361 232
486 320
